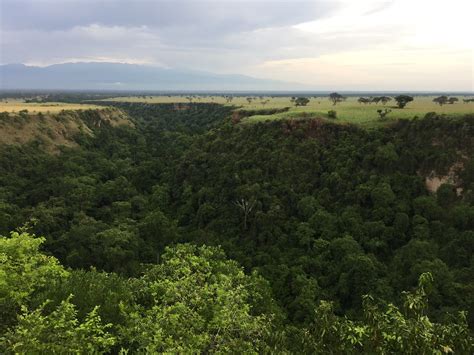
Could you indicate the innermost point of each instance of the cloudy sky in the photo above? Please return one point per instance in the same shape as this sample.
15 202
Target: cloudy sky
325 44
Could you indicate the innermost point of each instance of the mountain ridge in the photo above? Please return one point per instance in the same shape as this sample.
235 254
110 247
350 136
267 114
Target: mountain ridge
123 76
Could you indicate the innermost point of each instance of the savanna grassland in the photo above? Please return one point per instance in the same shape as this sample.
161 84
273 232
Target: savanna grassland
17 105
348 111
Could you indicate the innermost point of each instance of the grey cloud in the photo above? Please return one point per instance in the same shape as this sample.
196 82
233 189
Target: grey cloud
229 53
179 32
206 15
220 36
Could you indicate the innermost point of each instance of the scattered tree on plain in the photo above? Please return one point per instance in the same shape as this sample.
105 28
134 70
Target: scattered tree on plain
301 101
403 100
441 100
264 102
383 113
335 98
385 99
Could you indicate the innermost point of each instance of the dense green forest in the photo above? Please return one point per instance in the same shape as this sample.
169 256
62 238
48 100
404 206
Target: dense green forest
188 232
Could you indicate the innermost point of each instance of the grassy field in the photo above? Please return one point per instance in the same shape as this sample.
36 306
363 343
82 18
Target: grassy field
348 111
15 106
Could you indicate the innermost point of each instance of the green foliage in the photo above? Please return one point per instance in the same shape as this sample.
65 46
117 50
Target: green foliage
89 289
383 113
403 100
386 329
189 118
441 100
58 332
197 301
335 98
301 101
23 270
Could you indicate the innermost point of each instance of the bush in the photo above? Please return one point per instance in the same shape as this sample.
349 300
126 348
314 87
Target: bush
332 114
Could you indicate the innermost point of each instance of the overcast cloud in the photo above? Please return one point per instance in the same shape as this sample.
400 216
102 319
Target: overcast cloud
359 44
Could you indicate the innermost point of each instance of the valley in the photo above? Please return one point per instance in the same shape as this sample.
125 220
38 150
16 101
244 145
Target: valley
312 217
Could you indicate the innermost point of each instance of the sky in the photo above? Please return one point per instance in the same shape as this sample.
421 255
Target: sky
324 44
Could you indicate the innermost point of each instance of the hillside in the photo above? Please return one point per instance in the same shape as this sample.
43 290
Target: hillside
53 130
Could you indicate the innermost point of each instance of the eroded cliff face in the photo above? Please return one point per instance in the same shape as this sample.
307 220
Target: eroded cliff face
440 148
433 180
52 131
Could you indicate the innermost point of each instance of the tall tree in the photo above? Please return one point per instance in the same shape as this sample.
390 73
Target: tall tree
441 100
403 100
198 301
336 98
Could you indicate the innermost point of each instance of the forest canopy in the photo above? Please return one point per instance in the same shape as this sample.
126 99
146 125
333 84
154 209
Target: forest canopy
194 300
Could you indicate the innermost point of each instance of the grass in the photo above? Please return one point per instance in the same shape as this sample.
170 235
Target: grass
349 111
52 129
17 105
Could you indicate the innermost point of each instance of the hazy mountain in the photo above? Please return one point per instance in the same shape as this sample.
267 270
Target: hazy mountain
103 76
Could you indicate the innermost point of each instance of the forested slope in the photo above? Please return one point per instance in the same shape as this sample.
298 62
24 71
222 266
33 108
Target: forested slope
320 211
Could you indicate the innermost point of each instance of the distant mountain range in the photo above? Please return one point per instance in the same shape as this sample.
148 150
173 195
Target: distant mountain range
117 76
